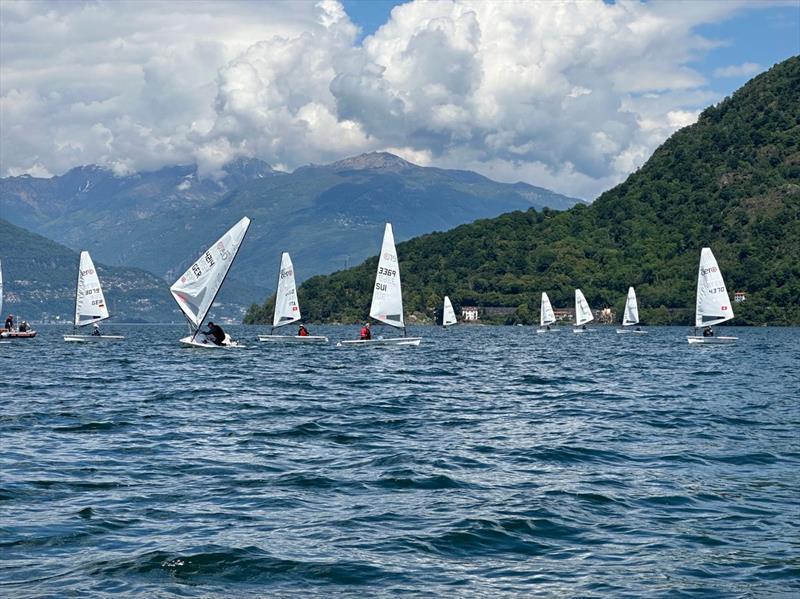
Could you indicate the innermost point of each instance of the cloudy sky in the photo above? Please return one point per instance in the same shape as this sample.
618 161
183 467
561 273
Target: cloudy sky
567 95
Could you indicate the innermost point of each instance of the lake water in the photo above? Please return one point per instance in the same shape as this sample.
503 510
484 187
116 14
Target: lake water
489 461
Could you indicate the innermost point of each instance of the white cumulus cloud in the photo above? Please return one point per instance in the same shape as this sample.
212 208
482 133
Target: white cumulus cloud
571 95
746 69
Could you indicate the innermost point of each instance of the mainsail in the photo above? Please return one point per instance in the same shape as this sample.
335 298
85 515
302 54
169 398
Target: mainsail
631 315
713 303
546 314
198 286
583 313
287 310
90 305
448 314
387 297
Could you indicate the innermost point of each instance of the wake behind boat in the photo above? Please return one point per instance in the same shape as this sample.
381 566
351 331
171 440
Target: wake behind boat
387 298
713 304
631 315
198 287
287 308
90 304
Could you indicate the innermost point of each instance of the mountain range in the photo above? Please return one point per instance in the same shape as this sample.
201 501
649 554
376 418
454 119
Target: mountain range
327 216
731 181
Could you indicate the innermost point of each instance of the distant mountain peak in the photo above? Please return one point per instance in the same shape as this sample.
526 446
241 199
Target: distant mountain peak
384 160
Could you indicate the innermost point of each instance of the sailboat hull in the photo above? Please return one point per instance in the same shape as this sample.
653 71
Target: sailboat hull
382 342
293 339
191 341
583 330
92 338
628 331
551 330
18 335
700 340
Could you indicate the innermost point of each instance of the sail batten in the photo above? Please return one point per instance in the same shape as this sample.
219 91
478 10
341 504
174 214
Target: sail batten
196 289
387 296
631 316
90 303
583 313
546 314
713 304
448 314
287 310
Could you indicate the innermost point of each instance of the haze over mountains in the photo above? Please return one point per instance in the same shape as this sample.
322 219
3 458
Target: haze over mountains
327 216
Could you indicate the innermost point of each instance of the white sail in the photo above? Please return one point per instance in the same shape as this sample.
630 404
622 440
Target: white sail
631 315
387 296
713 303
90 305
546 314
287 309
198 286
583 313
448 314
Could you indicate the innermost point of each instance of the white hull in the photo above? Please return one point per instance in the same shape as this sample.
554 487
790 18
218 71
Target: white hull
200 341
627 331
382 342
551 330
582 330
92 338
18 335
293 339
692 339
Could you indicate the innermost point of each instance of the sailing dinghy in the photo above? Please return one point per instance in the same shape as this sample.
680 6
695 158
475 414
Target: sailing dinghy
546 316
448 314
631 316
387 297
287 309
90 304
198 287
583 313
713 303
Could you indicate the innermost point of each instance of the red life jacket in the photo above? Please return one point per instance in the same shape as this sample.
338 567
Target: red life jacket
366 333
302 332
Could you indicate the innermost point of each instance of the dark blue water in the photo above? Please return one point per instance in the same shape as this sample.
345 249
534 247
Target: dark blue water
488 461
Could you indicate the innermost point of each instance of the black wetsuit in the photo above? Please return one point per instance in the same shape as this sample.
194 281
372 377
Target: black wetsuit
215 334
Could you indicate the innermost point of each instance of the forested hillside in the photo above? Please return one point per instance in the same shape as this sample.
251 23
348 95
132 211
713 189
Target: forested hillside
731 181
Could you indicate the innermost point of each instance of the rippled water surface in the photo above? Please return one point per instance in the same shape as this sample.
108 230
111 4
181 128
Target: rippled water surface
488 461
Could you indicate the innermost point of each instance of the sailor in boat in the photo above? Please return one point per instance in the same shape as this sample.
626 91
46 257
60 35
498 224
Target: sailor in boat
96 330
24 326
214 333
10 322
302 331
366 334
708 332
584 327
547 327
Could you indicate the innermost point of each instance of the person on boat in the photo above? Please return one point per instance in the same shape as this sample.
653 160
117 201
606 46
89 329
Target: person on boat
23 326
96 330
584 327
10 322
708 332
547 327
638 328
366 334
215 333
302 331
